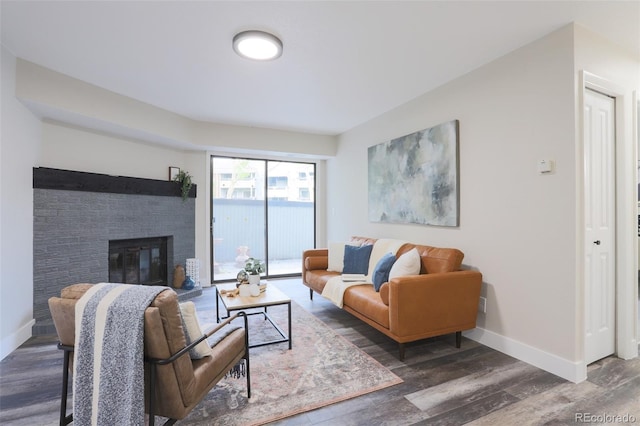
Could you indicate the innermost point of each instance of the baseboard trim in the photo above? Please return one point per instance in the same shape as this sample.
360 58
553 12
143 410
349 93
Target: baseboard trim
12 341
575 372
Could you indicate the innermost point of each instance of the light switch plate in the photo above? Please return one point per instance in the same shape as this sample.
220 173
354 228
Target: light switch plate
545 166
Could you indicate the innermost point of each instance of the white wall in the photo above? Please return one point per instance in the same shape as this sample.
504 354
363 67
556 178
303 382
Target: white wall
20 143
516 226
74 148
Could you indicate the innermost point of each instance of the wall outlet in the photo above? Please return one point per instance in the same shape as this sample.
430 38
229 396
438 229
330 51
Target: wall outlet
482 305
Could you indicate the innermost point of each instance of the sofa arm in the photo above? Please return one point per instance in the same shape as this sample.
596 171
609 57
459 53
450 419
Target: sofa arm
314 259
436 301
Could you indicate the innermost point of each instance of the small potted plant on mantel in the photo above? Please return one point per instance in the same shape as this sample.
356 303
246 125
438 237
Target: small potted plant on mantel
184 180
254 268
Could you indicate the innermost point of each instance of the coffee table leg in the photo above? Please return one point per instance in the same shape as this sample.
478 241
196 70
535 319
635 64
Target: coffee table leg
290 339
217 305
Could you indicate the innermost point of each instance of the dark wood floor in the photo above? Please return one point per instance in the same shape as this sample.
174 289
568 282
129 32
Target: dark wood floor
442 385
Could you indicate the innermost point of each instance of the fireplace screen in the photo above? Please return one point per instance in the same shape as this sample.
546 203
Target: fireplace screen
139 261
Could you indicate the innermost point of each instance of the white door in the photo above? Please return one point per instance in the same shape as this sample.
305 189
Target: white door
599 166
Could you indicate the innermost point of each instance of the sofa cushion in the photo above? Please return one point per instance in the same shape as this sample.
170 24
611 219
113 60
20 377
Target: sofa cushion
366 301
317 279
356 259
381 270
407 264
437 260
362 241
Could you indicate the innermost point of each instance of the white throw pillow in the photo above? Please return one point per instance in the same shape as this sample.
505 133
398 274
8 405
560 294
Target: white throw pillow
336 256
407 264
193 331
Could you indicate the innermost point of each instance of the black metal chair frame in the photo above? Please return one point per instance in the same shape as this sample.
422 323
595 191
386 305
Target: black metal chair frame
65 418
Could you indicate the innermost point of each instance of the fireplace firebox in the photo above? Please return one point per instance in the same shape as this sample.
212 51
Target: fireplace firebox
138 261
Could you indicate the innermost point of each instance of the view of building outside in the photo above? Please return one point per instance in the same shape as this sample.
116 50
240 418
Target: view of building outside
263 209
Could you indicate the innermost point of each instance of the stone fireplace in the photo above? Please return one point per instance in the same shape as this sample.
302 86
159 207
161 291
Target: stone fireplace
76 216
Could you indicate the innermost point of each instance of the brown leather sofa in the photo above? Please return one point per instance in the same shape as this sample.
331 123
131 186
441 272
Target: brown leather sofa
174 383
443 299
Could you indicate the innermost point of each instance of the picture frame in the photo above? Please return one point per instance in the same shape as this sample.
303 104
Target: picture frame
173 172
415 178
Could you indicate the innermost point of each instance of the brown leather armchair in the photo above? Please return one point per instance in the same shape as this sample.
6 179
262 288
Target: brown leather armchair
174 383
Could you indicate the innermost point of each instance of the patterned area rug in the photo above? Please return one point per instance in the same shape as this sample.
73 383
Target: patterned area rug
321 369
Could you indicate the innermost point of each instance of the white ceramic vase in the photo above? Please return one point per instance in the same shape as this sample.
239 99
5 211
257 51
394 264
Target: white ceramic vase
244 290
254 279
254 289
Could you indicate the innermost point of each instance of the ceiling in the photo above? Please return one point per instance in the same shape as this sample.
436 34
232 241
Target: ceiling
344 62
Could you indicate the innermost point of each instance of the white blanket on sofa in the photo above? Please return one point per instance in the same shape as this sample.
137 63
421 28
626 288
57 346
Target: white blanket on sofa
335 287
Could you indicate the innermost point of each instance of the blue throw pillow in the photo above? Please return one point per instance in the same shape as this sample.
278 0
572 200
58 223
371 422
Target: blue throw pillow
381 271
356 259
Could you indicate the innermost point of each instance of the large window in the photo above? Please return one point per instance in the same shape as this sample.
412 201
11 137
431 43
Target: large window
263 209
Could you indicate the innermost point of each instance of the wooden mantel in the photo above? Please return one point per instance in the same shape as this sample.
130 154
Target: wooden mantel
69 180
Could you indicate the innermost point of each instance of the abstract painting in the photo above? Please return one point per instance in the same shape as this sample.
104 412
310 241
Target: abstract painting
414 178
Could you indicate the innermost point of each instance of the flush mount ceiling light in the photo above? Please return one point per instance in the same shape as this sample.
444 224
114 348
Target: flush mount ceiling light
257 45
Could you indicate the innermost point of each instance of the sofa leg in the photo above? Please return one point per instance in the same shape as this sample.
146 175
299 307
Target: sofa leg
310 294
401 351
458 339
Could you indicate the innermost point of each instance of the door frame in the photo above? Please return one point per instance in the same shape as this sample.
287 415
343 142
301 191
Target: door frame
626 248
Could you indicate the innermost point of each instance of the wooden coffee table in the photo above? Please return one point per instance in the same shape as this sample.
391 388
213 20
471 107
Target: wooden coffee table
270 297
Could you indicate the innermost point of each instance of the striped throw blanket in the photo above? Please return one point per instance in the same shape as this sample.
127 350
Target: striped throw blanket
108 376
